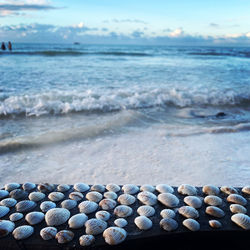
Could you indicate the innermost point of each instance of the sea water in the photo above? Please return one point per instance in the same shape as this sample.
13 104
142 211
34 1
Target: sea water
125 114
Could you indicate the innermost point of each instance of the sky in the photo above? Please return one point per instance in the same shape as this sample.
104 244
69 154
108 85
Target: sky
179 22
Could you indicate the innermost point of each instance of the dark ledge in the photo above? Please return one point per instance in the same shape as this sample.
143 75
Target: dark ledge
229 236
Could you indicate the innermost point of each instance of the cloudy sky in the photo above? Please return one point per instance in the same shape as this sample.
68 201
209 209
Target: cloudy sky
210 22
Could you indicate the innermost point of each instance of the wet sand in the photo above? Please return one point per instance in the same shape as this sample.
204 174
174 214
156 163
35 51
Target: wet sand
146 156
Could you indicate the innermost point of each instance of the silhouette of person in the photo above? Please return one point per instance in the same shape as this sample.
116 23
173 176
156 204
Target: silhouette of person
9 45
3 46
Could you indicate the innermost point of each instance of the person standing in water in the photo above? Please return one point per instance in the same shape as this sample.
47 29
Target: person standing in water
3 46
9 46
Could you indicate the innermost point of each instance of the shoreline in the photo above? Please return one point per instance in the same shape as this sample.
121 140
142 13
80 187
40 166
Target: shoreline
141 157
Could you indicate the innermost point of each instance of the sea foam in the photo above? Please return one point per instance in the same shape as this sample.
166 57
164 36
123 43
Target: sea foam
92 101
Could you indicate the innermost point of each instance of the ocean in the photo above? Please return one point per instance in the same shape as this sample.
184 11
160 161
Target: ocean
125 114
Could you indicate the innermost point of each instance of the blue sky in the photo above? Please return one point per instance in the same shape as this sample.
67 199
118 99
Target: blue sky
137 21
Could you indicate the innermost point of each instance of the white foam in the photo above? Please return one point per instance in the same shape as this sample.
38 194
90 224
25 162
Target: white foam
56 135
139 157
92 100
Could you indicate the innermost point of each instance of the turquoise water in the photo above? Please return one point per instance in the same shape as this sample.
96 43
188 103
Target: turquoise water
38 79
186 109
180 85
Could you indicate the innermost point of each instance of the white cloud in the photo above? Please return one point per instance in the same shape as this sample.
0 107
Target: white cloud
14 8
82 33
80 25
17 2
125 21
238 35
177 33
37 2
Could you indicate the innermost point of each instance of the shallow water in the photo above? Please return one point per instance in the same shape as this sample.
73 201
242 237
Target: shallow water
125 113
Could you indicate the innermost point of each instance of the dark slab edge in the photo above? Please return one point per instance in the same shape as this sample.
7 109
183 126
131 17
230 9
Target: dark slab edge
230 236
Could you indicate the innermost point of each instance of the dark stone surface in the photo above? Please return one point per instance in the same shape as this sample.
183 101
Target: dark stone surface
229 236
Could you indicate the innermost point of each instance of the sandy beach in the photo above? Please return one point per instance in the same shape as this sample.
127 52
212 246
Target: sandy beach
139 158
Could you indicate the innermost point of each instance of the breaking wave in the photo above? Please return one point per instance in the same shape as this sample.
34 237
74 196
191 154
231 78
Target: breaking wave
245 54
29 142
52 53
241 127
62 102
